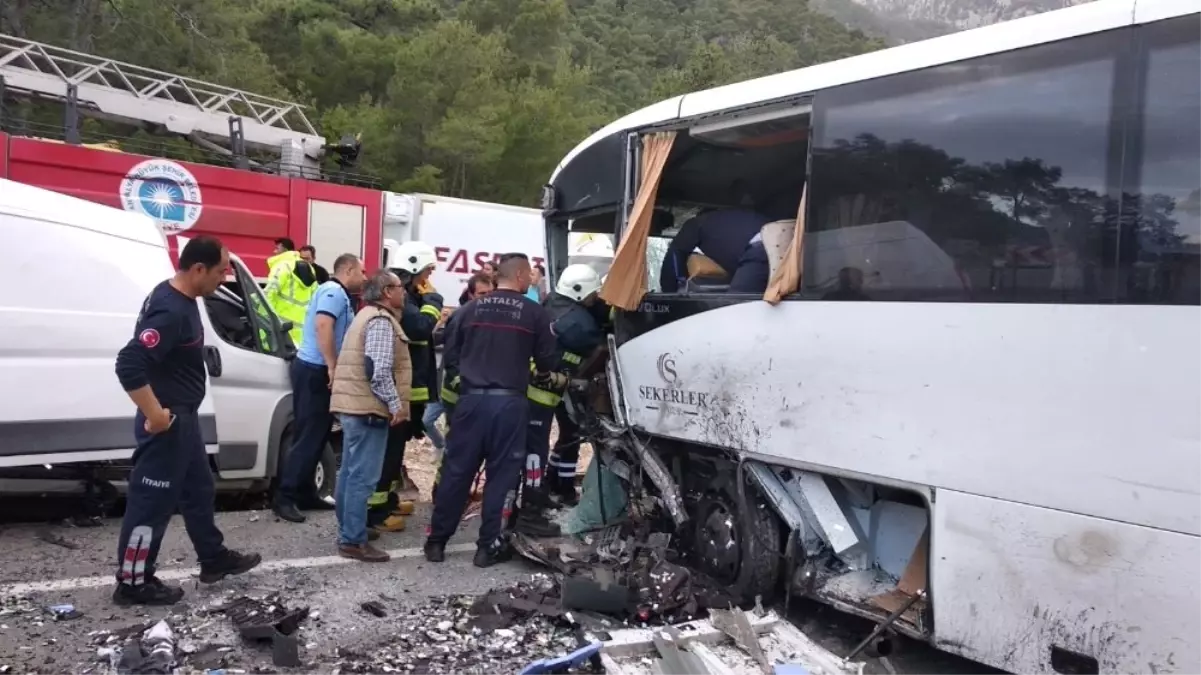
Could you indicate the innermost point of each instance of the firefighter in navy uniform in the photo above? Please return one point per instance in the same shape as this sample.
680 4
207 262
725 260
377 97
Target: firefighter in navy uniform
490 346
162 369
577 335
394 495
478 286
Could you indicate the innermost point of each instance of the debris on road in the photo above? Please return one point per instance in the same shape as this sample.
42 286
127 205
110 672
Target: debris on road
64 612
154 652
502 631
49 537
374 608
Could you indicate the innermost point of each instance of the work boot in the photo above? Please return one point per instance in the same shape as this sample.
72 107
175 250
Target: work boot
491 555
229 563
363 553
393 523
404 509
288 512
435 552
151 592
563 490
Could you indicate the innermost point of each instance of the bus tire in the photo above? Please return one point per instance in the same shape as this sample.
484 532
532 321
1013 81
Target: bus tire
753 563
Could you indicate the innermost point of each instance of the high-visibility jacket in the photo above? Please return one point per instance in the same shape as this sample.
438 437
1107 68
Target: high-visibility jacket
420 317
290 286
577 335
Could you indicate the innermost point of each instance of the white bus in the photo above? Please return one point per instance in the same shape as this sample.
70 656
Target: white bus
1005 426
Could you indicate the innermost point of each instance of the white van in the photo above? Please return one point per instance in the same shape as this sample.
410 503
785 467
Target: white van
78 273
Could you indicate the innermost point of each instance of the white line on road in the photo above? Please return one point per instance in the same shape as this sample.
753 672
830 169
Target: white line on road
59 585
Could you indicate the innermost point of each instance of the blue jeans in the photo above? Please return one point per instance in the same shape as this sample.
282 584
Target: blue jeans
364 438
434 410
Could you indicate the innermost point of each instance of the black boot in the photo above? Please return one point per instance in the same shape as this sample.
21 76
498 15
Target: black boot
491 555
152 592
435 552
229 563
288 511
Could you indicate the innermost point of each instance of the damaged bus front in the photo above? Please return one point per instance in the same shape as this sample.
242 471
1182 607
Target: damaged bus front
969 396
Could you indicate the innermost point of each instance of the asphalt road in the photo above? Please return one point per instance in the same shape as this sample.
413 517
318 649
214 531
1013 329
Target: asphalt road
43 565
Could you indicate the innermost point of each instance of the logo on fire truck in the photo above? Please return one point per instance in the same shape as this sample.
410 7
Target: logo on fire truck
165 191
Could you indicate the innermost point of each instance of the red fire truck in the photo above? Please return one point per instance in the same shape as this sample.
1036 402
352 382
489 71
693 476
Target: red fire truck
275 186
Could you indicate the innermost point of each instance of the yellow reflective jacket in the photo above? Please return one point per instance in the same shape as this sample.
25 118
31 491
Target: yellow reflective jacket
290 286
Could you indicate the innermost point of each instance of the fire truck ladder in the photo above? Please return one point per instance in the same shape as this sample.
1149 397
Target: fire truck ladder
131 94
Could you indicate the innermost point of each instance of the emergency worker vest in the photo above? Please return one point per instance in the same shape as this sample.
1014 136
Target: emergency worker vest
352 393
288 294
425 365
558 306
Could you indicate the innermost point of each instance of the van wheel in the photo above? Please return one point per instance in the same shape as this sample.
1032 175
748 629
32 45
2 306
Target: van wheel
325 475
741 550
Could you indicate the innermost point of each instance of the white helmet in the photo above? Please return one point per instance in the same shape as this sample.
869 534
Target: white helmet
413 256
578 282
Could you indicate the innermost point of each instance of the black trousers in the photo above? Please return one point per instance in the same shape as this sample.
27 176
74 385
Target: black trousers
170 473
486 430
311 423
537 449
565 456
753 272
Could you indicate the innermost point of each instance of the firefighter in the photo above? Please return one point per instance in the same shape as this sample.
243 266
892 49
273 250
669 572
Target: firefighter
478 286
490 347
577 335
162 370
421 315
290 285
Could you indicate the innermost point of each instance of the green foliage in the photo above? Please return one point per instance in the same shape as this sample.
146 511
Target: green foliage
475 98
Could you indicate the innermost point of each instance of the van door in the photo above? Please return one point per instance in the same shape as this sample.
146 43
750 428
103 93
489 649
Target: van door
247 353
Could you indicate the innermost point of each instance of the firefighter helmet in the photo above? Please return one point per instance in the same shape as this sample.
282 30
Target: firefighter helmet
413 257
578 282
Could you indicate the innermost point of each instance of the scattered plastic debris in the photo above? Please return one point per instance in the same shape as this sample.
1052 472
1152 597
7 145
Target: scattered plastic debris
64 612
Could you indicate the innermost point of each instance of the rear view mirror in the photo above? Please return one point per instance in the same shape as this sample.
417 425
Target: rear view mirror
285 326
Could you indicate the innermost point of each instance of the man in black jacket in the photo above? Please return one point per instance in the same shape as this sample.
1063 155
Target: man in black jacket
309 255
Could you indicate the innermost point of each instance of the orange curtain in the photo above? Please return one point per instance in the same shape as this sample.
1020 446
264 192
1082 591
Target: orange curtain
626 282
787 279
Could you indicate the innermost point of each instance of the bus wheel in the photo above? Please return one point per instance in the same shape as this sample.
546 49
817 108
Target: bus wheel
739 550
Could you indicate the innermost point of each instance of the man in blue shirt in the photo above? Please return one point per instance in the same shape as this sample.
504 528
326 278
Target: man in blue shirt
329 315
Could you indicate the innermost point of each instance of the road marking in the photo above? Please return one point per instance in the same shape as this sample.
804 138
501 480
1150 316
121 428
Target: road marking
177 574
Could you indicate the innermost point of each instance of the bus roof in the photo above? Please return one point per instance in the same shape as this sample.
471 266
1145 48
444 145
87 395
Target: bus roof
1092 17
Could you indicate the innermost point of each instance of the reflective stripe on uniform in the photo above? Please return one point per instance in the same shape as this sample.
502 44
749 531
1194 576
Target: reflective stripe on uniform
431 311
542 397
449 396
377 499
420 394
573 359
419 343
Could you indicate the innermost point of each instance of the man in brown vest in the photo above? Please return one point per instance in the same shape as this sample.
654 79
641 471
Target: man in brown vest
371 392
